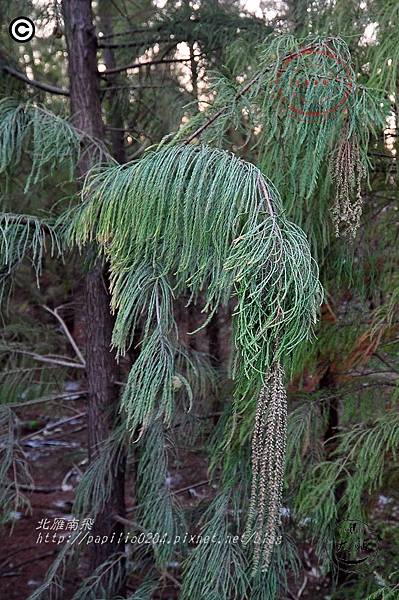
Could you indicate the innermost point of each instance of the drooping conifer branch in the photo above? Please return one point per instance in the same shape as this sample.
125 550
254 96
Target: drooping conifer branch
21 237
193 219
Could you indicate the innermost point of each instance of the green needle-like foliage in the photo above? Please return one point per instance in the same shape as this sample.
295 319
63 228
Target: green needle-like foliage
48 139
356 468
197 220
95 487
308 123
21 237
12 463
108 575
159 511
218 563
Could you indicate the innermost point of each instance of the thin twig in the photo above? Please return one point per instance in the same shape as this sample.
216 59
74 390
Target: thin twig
39 489
219 113
302 588
172 579
140 65
48 359
67 333
174 493
31 560
66 396
386 362
53 425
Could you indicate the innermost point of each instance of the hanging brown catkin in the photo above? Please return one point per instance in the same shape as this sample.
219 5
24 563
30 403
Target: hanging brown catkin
268 457
347 174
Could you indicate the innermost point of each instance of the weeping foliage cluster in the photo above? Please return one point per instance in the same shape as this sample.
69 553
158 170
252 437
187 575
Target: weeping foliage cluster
383 52
220 567
13 461
192 219
23 237
159 510
48 140
108 575
304 440
198 221
31 137
196 218
95 487
361 459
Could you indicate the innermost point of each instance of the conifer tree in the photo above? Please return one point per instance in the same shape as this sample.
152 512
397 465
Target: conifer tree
266 197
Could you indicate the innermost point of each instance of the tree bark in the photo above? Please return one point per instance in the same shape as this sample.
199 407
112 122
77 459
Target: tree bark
102 369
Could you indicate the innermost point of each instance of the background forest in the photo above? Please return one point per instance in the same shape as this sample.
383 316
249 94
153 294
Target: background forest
199 211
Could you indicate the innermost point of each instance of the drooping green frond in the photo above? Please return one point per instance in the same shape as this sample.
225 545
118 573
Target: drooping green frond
23 236
13 465
369 447
303 440
275 582
197 220
152 380
108 576
216 569
293 115
159 510
356 468
145 591
96 485
207 221
383 53
52 586
48 140
316 499
388 588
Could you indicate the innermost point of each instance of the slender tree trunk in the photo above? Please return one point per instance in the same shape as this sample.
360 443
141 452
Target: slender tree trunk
102 369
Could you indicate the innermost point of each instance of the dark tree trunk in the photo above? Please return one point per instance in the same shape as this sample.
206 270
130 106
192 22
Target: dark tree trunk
102 369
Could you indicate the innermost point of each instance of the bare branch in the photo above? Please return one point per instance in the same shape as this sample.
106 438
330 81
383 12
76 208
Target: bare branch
67 333
50 426
49 359
140 65
146 43
46 87
66 396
